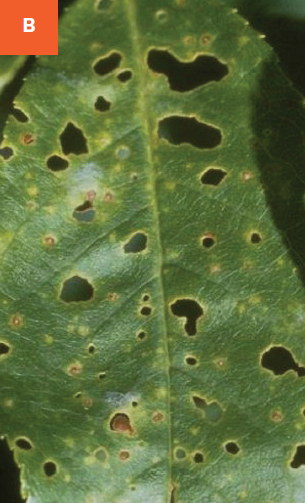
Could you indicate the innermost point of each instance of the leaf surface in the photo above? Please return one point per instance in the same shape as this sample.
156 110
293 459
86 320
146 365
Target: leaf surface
151 315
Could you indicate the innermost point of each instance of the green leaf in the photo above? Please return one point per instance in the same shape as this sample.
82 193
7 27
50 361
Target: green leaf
9 65
151 239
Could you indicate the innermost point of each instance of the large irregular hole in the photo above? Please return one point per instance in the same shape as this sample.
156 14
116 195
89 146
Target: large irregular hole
57 163
178 129
185 76
212 411
108 64
84 212
136 244
6 152
76 289
213 176
189 309
299 457
73 140
50 468
279 360
9 476
121 423
101 104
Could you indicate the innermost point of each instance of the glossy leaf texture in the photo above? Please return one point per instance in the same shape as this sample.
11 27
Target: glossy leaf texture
151 238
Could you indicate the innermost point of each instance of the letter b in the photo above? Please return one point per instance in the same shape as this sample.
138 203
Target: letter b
28 24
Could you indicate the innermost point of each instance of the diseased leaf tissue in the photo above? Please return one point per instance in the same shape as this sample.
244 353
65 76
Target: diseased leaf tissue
152 313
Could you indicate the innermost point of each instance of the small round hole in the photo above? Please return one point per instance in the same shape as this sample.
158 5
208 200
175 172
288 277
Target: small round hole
23 443
4 348
145 298
50 468
198 457
91 349
255 238
208 241
141 335
146 311
124 76
102 375
232 448
190 360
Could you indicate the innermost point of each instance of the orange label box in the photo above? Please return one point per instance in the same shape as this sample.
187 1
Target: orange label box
29 27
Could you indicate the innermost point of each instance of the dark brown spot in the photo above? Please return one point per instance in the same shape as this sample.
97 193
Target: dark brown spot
121 423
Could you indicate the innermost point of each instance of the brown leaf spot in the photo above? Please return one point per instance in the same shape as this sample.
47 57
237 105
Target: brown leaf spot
16 320
75 369
206 39
123 455
91 195
246 176
112 296
49 240
276 416
157 417
108 197
27 139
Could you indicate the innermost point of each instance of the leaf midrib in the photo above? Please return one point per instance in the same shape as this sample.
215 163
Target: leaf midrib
143 113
